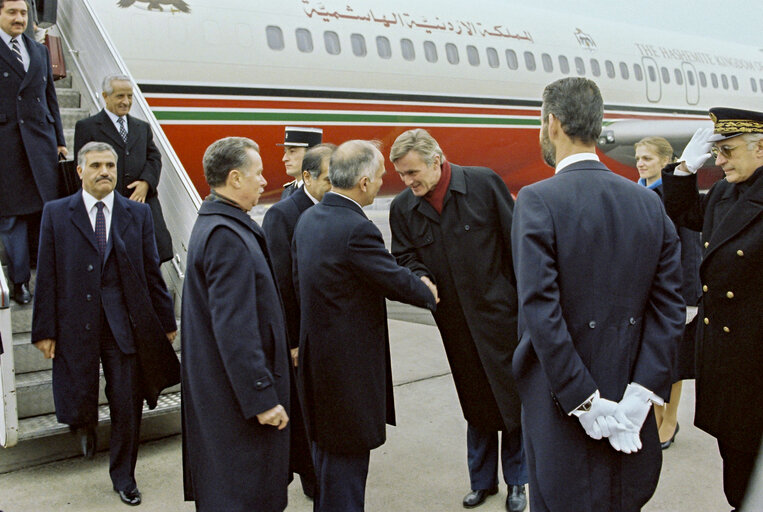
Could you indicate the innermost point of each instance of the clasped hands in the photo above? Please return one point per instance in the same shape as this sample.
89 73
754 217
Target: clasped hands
620 422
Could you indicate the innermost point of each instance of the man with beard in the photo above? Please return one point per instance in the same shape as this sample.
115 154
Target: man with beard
599 317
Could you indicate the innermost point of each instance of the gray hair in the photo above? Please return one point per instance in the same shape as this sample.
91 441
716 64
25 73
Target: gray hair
106 85
752 139
224 155
94 147
315 157
577 104
352 160
418 140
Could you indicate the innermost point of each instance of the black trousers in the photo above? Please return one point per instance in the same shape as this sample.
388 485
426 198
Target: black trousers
341 481
125 409
737 470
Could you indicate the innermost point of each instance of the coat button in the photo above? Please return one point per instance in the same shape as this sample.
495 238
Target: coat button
740 252
21 121
88 297
127 153
632 321
730 295
707 244
704 288
258 385
467 228
38 100
87 327
5 75
19 98
592 324
707 321
89 268
726 329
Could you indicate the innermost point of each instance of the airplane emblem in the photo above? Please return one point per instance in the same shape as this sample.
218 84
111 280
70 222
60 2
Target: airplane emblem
585 40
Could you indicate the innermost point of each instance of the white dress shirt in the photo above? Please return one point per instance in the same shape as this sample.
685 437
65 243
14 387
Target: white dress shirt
314 200
346 197
92 209
22 47
573 159
114 118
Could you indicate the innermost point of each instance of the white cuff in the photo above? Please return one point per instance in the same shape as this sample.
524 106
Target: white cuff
648 394
579 410
679 172
691 313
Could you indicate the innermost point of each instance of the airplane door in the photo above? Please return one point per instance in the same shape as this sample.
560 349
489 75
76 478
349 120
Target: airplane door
652 79
692 84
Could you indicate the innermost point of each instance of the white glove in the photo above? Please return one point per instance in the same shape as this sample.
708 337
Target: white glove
697 151
634 407
600 420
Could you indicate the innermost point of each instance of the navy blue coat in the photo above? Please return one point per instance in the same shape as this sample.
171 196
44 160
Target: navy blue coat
342 273
235 365
30 131
598 275
73 285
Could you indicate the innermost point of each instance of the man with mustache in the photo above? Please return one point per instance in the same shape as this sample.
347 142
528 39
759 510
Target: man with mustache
85 310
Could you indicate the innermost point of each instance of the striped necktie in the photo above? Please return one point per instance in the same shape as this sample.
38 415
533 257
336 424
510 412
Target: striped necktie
100 228
17 51
122 131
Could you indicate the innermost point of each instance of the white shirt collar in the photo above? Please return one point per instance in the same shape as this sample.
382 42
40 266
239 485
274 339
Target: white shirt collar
314 200
90 201
114 118
346 197
7 38
575 158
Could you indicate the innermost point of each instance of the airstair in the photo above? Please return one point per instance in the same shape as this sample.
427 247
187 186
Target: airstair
29 431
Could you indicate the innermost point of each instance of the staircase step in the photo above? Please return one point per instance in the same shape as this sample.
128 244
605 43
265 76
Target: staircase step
68 98
69 136
26 357
65 83
70 116
21 317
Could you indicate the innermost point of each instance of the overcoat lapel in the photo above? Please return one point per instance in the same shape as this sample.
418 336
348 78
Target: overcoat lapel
7 55
120 219
739 215
109 130
80 218
36 62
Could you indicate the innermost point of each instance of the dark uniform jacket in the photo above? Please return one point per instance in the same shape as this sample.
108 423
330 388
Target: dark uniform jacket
467 250
139 159
343 272
73 286
730 340
30 131
235 365
598 273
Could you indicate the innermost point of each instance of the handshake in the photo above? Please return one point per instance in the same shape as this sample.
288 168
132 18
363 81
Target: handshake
620 422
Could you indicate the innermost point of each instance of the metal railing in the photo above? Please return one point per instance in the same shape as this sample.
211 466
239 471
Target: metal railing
9 421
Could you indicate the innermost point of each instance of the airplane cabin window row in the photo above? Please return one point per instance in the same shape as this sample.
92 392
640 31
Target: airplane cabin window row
384 49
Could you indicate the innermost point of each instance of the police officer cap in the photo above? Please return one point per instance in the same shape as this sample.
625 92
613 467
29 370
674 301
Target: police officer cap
730 122
302 137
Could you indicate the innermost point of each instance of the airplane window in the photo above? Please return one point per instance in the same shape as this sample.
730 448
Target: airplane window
702 79
358 45
451 52
492 57
610 68
511 59
579 66
714 80
304 40
473 55
637 72
331 40
275 37
725 81
595 68
652 73
690 77
406 47
530 61
734 82
665 75
679 76
564 64
754 85
383 48
624 70
430 51
548 65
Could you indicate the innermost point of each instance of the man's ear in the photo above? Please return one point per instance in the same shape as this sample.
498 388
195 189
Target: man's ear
234 178
306 177
553 125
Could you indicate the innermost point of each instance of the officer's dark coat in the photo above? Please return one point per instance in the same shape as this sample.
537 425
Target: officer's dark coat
730 340
467 250
30 131
235 365
72 285
139 159
343 272
598 274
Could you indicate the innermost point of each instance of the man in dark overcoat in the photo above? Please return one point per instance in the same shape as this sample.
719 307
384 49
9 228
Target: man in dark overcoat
279 223
729 348
140 163
32 136
81 312
342 274
598 276
453 224
235 362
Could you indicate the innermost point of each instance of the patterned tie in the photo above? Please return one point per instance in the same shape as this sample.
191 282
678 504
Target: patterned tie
122 131
16 50
100 228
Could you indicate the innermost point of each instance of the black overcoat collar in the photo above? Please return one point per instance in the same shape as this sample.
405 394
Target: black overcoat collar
334 199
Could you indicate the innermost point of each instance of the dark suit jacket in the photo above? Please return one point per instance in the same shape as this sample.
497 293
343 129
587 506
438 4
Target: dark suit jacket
73 287
343 271
235 366
279 223
477 313
139 159
30 131
598 276
729 348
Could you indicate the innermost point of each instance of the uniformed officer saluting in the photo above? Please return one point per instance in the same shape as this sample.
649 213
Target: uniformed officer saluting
729 348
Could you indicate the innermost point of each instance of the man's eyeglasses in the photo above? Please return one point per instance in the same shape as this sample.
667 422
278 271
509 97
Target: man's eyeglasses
723 150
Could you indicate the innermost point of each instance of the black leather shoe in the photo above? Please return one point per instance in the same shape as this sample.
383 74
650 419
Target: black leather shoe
88 441
21 293
516 501
478 497
667 443
132 498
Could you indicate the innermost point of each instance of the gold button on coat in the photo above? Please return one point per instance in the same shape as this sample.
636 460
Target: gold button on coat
704 288
730 295
740 252
706 244
726 329
707 321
